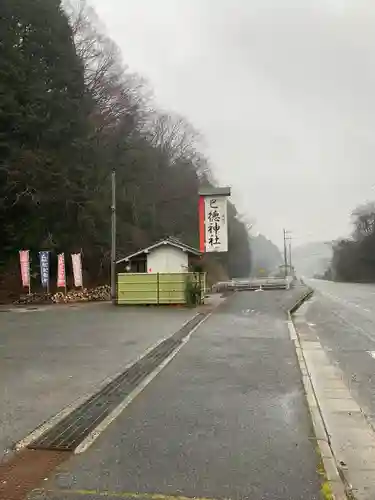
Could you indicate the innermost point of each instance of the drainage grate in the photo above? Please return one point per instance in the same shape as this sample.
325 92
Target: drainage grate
72 430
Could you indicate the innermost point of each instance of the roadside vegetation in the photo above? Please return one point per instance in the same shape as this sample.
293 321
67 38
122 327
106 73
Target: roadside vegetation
266 257
70 112
354 257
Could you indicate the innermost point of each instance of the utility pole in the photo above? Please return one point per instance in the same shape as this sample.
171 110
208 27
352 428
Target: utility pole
285 255
290 255
113 238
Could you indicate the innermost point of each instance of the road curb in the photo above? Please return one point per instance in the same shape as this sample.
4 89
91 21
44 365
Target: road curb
99 429
64 412
93 436
337 488
58 417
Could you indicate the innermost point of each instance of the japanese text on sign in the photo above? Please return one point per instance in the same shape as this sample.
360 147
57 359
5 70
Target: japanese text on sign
44 268
216 228
61 280
25 267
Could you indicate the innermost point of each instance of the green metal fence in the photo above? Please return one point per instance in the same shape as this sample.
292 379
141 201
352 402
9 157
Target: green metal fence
156 288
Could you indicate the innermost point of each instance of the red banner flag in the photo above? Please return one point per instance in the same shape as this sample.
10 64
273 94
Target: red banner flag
61 279
25 267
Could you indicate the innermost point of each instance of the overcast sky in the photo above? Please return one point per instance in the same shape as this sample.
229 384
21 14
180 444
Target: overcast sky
283 91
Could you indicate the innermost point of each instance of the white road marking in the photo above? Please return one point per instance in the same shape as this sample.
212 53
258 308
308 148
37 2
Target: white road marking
372 354
93 436
46 426
318 421
292 330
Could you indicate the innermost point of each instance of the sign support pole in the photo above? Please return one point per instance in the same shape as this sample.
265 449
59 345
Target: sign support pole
113 239
29 274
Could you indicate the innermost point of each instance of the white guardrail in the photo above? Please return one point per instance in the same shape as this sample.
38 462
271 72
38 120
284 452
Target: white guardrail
270 283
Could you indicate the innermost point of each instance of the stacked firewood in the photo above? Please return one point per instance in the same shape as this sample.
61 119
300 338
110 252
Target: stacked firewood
100 293
34 298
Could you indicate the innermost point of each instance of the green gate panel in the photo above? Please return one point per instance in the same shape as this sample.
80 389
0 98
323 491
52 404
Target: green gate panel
137 288
155 288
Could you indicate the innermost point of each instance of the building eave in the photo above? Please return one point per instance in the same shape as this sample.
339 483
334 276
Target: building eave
170 242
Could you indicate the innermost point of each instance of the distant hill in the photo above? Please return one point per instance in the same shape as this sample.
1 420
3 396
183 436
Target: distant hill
265 255
312 258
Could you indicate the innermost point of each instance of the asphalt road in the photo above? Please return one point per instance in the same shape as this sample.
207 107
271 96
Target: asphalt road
343 316
352 297
51 356
227 418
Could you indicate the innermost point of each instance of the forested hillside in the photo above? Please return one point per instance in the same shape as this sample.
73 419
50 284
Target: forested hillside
354 257
70 112
266 257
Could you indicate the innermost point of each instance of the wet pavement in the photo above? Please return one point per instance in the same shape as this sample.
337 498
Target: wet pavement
227 418
343 317
50 356
337 331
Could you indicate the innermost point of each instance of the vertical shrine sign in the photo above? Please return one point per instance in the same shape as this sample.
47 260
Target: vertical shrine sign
213 219
44 268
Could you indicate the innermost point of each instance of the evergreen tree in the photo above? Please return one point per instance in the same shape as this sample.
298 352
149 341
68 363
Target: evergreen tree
70 112
42 102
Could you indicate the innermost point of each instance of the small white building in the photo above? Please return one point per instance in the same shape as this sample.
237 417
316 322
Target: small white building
166 256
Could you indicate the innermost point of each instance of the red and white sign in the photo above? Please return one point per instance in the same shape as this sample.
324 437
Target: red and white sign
77 269
61 279
25 267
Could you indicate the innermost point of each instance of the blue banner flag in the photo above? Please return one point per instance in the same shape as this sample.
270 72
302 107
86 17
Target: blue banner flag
44 268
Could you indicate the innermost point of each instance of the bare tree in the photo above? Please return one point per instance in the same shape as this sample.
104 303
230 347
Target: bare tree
364 220
174 135
118 94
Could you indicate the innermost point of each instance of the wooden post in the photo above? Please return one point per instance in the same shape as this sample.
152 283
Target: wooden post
29 274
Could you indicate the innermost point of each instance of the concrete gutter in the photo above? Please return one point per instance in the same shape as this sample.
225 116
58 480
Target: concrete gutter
334 488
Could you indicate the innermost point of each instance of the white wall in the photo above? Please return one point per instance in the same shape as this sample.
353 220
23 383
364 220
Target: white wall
167 259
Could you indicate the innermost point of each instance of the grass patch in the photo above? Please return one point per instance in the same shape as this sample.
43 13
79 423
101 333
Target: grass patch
326 491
